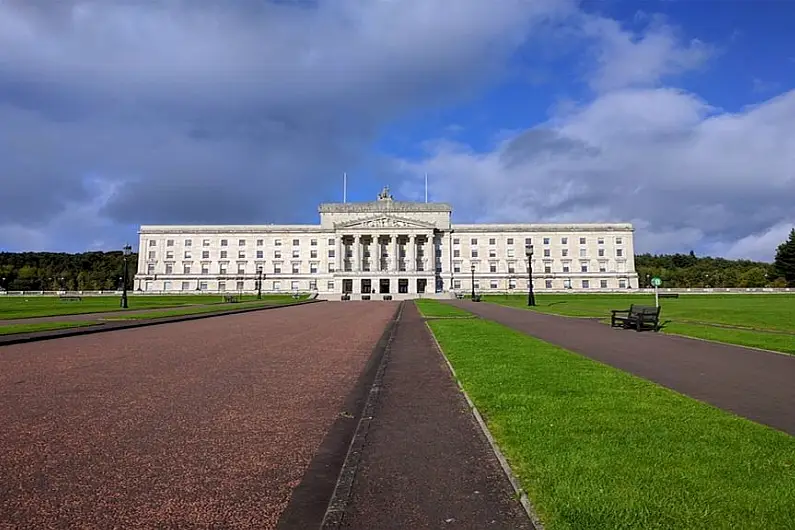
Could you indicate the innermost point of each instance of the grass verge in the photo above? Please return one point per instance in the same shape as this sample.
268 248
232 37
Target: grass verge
202 309
43 326
432 308
595 447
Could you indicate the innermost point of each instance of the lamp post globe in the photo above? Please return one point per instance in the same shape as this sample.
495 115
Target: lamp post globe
126 251
531 297
472 269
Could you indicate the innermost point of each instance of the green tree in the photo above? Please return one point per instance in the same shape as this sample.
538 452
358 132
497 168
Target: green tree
784 263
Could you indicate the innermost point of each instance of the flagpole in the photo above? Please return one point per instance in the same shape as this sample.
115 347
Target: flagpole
345 187
426 187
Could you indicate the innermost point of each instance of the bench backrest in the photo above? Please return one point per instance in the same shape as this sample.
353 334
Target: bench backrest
643 310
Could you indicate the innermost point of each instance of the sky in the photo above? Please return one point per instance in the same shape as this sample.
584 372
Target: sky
677 116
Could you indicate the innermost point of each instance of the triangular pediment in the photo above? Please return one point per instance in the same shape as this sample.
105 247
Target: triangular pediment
385 221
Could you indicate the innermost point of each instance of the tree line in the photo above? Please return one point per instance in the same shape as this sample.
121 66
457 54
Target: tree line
92 271
51 271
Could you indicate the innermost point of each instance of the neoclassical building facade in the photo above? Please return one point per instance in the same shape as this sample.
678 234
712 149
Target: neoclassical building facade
386 247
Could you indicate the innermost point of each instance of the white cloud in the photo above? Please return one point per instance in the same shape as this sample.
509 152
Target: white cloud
686 175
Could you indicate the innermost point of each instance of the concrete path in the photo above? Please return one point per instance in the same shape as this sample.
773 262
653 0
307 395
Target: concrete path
425 463
755 384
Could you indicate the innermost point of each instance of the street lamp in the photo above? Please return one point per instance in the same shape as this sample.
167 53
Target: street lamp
259 282
127 250
472 268
531 297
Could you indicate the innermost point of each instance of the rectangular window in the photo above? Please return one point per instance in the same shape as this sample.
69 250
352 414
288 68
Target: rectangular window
548 284
492 241
456 267
546 241
223 254
603 284
260 254
583 252
150 269
602 267
313 242
241 268
493 284
166 286
224 242
510 253
313 285
456 241
186 286
477 284
296 253
188 242
331 241
296 242
186 269
170 243
187 254
456 284
331 253
619 241
295 268
546 252
511 268
277 254
169 254
547 269
277 285
492 253
313 253
528 241
474 253
564 252
492 267
586 284
313 268
331 267
240 285
277 268
510 241
205 268
330 285
169 268
511 284
222 286
241 254
600 252
152 243
473 241
151 254
456 253
622 284
241 242
600 241
205 242
582 241
583 268
564 240
294 285
619 252
205 254
565 268
277 242
203 286
222 268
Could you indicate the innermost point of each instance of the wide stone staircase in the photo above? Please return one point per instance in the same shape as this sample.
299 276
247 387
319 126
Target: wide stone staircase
336 297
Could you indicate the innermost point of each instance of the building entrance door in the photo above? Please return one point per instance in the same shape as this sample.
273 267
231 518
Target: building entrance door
367 286
347 286
421 284
383 286
403 286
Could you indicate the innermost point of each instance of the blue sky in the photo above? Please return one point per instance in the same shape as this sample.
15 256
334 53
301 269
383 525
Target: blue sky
677 116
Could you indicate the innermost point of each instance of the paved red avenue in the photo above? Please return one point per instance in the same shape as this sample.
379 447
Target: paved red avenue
208 423
751 383
425 463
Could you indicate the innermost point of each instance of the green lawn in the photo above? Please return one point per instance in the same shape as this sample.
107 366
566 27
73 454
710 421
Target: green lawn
692 314
432 308
42 326
596 448
38 306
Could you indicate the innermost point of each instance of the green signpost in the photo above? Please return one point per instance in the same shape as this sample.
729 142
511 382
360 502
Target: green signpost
656 282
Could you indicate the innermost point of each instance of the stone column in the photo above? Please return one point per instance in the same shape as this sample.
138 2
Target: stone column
357 259
412 253
338 254
395 253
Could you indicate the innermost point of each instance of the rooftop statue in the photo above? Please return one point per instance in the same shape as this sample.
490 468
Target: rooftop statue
385 195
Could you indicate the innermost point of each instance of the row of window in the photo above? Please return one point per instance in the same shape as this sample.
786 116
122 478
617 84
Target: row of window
511 269
564 252
240 242
241 254
238 285
548 284
546 240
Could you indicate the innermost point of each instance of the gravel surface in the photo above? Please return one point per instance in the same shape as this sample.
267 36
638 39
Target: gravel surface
751 383
208 423
425 463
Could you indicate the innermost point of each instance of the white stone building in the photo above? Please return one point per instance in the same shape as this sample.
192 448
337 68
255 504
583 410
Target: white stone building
386 247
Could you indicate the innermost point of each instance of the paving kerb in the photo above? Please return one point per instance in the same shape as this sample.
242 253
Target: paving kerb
319 500
342 492
506 467
36 336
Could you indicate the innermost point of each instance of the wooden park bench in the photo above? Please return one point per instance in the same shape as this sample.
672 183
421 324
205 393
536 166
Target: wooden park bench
668 295
71 298
637 317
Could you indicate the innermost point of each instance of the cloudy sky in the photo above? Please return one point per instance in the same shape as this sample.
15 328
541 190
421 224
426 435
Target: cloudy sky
677 116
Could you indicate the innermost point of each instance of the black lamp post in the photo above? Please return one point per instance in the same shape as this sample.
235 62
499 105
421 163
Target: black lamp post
5 285
531 297
259 282
472 268
127 250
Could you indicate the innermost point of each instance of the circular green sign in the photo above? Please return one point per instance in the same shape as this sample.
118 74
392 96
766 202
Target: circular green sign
656 282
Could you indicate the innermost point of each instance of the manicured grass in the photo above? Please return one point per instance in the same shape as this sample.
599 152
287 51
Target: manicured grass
690 314
38 306
42 326
595 447
205 309
432 308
